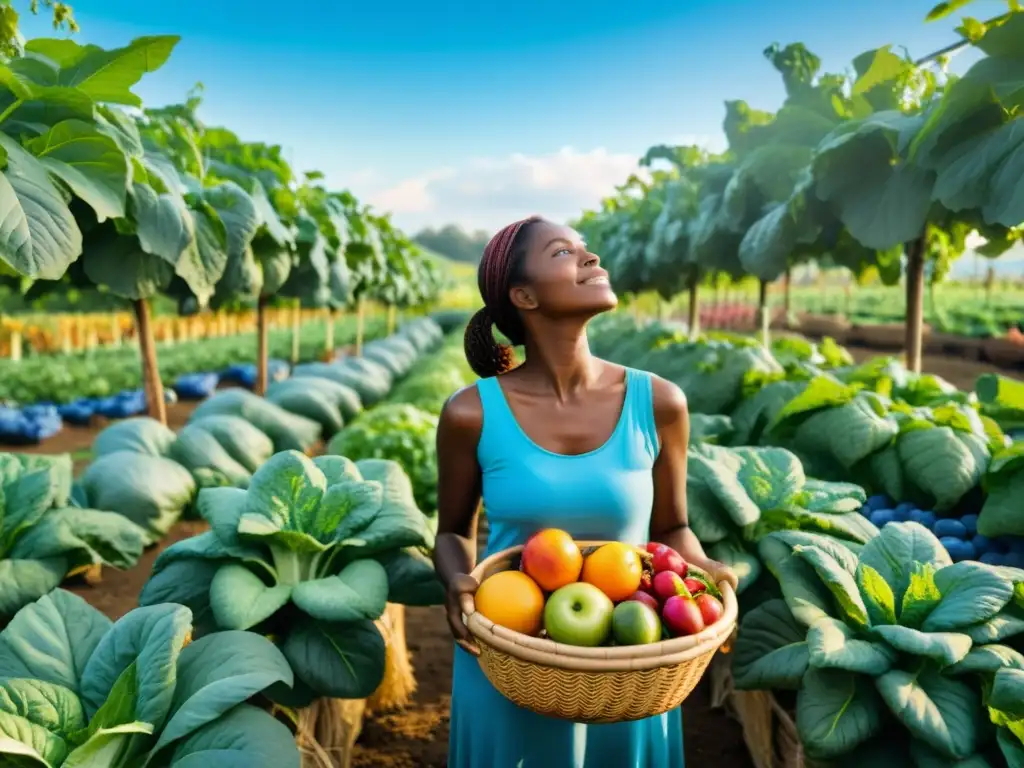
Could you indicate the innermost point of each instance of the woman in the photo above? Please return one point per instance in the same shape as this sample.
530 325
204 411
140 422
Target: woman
564 440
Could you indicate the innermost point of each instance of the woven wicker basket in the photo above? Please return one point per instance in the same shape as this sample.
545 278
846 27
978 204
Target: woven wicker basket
593 685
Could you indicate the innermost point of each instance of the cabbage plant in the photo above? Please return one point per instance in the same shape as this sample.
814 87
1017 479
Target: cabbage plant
892 640
308 555
401 433
43 538
78 691
736 496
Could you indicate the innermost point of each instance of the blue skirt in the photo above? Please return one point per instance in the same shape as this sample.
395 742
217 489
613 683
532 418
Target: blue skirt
489 731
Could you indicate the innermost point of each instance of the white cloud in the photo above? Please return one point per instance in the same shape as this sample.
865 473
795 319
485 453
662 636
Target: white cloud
487 193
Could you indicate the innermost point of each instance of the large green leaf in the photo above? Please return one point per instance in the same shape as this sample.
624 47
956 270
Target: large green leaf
103 75
241 600
359 591
52 640
940 711
217 673
40 715
151 637
22 581
89 162
896 550
771 650
39 237
345 661
836 711
244 737
971 593
834 645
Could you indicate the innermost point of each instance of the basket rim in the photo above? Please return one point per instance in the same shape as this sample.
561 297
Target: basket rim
601 659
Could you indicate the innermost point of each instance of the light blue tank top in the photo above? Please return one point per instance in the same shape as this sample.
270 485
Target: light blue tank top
605 494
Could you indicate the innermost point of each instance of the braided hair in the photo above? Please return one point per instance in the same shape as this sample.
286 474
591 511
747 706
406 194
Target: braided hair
500 268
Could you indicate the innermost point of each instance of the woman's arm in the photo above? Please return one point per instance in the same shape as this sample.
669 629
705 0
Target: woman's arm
669 523
458 504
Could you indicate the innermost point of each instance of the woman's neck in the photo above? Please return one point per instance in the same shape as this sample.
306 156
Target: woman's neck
560 358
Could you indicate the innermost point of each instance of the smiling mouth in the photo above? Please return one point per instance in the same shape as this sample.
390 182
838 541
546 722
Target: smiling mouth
596 280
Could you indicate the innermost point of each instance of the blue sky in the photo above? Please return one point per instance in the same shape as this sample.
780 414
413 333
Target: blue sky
479 112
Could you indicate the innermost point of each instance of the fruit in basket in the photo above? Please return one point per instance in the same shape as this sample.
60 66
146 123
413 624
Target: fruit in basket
711 608
667 559
552 559
682 615
646 598
634 623
579 614
694 586
668 584
512 599
615 569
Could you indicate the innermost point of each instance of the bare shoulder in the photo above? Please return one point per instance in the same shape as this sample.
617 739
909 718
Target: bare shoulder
463 413
670 405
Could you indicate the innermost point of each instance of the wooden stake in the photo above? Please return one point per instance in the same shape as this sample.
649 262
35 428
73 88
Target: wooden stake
151 382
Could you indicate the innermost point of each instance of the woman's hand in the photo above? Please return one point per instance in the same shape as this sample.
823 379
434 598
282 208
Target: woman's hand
459 601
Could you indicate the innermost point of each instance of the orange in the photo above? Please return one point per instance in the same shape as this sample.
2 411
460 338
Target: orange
552 559
615 569
513 600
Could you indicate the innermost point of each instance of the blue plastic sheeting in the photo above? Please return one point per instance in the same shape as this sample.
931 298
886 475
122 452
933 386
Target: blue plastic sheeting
196 386
245 373
78 412
30 424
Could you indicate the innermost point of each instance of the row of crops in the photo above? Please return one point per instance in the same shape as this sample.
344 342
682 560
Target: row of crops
144 203
271 608
875 520
885 172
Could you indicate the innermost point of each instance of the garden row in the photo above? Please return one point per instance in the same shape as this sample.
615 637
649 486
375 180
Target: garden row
874 518
278 605
886 170
151 203
57 389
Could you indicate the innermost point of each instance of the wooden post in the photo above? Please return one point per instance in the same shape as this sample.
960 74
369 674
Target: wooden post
915 304
261 346
762 311
151 382
296 331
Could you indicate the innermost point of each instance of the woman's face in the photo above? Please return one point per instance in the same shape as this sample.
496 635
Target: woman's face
563 279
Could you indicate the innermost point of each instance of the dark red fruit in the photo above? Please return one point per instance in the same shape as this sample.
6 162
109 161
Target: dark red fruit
668 584
695 586
667 559
711 609
682 616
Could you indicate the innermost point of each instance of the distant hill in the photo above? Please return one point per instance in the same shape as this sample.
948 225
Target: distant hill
454 242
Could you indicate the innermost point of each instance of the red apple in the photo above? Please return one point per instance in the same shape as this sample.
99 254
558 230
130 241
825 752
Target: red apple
694 586
682 616
647 599
711 609
669 584
667 559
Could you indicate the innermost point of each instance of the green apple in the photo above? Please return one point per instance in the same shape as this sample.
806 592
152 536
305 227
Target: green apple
635 623
578 614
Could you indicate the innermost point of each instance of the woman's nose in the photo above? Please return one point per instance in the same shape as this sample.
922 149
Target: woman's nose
591 259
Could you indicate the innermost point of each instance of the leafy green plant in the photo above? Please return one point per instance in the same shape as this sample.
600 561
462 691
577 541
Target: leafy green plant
735 496
880 641
77 690
308 555
401 433
43 537
929 455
